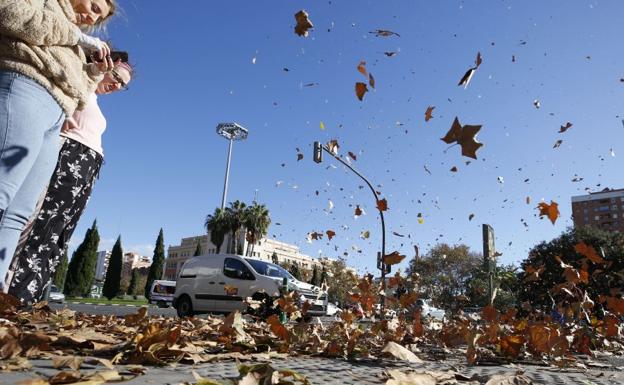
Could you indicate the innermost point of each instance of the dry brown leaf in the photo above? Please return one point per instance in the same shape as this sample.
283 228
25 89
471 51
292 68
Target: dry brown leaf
360 90
465 136
15 365
362 68
303 23
371 80
333 146
352 155
565 127
558 143
382 204
330 234
398 351
71 362
393 258
509 379
358 211
589 252
428 113
550 210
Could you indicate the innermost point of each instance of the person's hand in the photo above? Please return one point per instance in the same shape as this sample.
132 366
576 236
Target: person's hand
105 65
93 45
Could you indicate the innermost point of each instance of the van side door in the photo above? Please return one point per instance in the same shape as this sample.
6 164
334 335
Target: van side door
234 283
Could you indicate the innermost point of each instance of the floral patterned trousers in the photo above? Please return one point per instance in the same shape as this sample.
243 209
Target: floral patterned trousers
43 241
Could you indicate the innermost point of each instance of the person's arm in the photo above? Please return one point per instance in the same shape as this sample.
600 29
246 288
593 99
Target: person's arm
35 25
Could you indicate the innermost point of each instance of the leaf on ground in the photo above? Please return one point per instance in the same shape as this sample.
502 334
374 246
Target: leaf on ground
509 379
71 362
400 352
15 365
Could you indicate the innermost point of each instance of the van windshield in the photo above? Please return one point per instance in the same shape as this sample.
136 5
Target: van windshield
269 269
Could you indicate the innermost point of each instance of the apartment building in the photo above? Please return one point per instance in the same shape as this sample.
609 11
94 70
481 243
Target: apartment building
263 249
604 210
131 260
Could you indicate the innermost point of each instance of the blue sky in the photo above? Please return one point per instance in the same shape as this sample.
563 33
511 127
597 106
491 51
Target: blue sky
165 164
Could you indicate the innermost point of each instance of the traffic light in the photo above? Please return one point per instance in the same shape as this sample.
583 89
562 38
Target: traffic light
318 152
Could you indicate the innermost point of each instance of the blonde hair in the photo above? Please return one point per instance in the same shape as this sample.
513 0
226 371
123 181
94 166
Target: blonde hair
112 4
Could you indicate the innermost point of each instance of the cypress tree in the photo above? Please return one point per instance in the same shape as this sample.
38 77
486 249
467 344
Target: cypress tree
315 277
81 269
294 271
61 271
112 283
134 282
198 249
323 278
158 260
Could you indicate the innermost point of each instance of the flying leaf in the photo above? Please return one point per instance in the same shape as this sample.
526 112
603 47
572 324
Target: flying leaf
393 258
299 157
330 234
362 68
478 60
589 252
453 169
358 211
322 125
390 53
550 210
470 217
564 128
465 80
352 155
536 103
365 234
428 115
382 204
303 23
420 219
360 90
558 143
371 80
333 146
384 33
465 137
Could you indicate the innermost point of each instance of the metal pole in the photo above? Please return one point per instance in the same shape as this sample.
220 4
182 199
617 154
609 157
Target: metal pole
383 228
227 174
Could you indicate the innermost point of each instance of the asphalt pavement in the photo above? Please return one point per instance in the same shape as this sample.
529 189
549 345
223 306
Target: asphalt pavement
119 310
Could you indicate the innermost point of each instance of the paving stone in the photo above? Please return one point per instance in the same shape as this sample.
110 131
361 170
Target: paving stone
340 372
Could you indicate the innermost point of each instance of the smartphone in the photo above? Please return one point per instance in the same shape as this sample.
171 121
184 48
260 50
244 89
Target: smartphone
115 55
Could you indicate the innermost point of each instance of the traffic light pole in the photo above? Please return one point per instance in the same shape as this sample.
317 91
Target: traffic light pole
318 156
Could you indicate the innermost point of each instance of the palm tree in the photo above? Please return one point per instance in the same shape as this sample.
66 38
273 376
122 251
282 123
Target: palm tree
235 219
217 225
257 221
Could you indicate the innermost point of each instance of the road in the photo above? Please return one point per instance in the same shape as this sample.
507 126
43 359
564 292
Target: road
121 310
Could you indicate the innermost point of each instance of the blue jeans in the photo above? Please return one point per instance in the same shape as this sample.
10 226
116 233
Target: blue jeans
30 122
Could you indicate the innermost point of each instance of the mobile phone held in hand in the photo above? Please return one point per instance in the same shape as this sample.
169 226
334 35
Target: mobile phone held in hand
115 56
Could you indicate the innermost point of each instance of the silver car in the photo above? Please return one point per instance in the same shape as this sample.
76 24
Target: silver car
56 295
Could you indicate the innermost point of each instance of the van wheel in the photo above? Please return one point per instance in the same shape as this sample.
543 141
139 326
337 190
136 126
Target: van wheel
184 307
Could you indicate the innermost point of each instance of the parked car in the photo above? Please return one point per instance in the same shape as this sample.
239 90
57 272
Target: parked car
221 283
161 293
333 309
56 295
426 309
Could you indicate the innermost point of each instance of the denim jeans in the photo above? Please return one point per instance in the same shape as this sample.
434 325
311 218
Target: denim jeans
30 122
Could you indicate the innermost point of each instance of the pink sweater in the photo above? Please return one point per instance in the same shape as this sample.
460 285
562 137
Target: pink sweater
87 126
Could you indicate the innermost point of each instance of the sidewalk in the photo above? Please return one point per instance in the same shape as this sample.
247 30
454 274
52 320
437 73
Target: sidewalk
339 372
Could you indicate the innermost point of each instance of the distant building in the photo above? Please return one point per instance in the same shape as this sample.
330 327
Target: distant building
102 264
131 260
263 249
604 210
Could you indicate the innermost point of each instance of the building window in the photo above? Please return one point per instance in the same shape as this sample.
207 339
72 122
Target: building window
597 217
614 207
585 211
615 216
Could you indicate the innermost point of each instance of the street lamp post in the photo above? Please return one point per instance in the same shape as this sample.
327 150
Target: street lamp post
381 265
231 132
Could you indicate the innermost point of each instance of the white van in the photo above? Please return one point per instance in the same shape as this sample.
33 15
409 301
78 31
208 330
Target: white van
220 283
161 293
